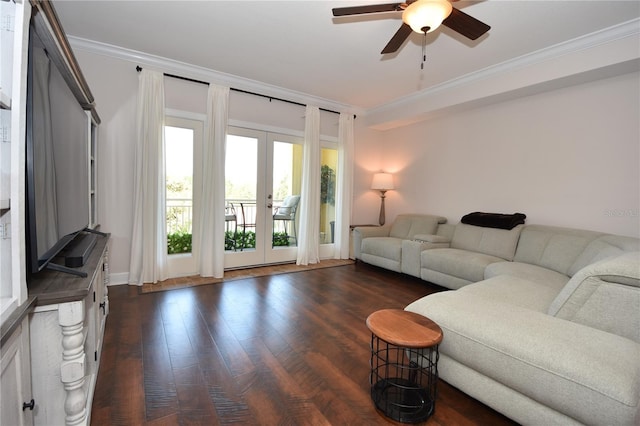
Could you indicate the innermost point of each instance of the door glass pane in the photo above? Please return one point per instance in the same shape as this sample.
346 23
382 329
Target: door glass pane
328 169
179 188
240 192
287 178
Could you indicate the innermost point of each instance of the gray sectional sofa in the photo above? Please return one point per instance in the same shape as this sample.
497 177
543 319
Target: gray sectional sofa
542 323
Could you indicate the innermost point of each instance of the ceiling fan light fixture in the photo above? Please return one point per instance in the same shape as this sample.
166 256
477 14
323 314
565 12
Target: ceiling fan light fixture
428 14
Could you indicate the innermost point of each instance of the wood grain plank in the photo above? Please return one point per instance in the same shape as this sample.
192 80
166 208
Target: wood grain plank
160 396
283 349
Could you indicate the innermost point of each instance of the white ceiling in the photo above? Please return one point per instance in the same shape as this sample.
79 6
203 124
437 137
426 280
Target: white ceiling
300 46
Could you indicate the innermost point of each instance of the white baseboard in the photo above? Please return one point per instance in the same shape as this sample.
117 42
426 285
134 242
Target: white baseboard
119 278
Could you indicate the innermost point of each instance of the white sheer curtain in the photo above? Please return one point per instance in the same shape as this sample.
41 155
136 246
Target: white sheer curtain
344 186
148 239
309 234
209 237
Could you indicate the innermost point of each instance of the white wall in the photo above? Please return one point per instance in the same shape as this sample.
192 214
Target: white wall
114 85
570 157
368 159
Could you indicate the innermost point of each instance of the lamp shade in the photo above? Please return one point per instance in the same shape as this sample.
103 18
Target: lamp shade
427 14
382 181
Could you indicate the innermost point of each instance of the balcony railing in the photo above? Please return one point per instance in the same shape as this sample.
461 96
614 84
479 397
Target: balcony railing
179 213
240 234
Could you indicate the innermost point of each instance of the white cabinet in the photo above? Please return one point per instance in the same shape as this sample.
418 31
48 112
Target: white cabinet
67 326
15 376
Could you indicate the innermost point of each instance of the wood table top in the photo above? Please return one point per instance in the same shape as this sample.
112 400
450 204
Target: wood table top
53 287
404 328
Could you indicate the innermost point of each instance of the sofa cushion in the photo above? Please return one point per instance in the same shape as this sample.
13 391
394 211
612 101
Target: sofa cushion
411 252
541 276
604 295
495 242
388 247
516 291
587 374
467 265
405 226
361 232
552 247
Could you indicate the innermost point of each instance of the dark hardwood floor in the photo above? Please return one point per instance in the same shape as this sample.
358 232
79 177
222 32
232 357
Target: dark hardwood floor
289 349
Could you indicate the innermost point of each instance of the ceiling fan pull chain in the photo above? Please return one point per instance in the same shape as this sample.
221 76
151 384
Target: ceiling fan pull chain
424 49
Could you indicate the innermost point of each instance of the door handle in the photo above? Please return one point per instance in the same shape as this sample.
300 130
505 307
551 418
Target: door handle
269 205
28 405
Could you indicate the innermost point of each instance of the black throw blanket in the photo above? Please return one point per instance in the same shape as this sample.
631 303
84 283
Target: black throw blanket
494 220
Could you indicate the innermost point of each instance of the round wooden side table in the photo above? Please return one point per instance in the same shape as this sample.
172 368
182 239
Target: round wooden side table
404 364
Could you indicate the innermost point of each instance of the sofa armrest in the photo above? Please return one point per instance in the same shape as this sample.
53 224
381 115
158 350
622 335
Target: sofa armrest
372 231
361 232
604 295
442 241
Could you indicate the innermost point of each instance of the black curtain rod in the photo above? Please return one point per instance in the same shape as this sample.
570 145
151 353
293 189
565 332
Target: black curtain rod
271 98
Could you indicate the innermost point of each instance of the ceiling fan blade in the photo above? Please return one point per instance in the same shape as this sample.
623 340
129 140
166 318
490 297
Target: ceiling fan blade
372 8
466 25
398 38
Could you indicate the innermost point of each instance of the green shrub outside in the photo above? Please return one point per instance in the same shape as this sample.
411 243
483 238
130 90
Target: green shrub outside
181 242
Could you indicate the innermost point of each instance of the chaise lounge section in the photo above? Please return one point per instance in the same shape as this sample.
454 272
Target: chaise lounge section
541 353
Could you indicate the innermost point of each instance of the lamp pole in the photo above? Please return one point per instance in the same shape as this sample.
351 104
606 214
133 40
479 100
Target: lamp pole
381 219
382 182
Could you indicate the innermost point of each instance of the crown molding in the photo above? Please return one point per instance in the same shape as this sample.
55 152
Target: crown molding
487 84
171 66
625 35
624 30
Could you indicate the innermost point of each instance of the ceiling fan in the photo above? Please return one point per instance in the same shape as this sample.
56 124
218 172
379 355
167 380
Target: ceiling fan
421 16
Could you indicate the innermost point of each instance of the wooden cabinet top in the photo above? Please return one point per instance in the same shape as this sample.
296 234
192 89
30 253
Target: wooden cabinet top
52 287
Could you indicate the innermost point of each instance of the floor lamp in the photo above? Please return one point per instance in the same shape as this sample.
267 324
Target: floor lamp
382 182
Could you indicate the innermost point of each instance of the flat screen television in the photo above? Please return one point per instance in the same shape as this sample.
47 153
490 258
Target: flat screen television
57 161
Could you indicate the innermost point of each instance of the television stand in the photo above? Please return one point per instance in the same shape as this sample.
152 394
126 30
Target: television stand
66 332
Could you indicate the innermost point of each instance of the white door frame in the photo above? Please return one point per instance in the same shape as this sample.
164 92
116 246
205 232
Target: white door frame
185 264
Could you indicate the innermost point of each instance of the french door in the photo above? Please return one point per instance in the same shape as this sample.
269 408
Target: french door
262 172
263 176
